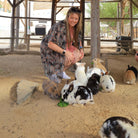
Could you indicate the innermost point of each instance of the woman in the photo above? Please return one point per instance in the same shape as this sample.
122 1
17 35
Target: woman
61 48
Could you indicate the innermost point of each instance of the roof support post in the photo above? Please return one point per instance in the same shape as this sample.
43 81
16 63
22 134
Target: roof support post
95 29
26 15
53 14
131 25
17 24
118 21
12 26
82 7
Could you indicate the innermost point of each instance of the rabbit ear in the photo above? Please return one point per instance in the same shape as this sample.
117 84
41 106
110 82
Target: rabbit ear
106 73
95 59
71 87
101 60
102 74
77 63
67 82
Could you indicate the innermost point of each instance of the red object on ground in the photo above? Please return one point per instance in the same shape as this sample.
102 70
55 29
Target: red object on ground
136 56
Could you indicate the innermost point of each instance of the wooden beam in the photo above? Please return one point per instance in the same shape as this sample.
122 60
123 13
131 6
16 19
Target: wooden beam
114 18
134 3
95 29
59 10
18 3
10 3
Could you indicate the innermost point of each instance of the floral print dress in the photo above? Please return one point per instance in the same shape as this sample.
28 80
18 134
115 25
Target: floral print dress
52 61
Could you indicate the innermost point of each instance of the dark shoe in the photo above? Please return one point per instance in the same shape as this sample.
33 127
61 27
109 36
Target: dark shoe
51 89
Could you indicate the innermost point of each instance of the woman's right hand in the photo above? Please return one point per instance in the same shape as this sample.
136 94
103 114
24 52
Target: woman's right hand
69 55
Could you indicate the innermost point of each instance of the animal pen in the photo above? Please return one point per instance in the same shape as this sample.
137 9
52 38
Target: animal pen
97 30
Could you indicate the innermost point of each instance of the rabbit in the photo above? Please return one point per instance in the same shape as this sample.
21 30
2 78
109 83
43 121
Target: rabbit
91 71
97 63
93 83
129 77
136 56
133 69
107 83
76 95
119 127
80 74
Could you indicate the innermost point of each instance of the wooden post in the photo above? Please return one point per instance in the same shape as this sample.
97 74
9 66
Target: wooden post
118 21
82 7
12 26
28 27
95 29
53 14
25 29
131 25
17 25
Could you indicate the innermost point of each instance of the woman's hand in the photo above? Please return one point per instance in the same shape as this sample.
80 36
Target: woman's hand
69 56
82 53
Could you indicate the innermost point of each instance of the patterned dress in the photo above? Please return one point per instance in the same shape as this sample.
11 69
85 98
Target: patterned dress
54 62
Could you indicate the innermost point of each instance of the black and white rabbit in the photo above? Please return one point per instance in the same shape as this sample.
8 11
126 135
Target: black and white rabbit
91 71
107 83
76 95
119 127
93 83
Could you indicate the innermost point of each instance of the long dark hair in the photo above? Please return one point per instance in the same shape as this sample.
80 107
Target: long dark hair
77 27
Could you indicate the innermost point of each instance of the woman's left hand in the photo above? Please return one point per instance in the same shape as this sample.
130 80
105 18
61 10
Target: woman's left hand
82 53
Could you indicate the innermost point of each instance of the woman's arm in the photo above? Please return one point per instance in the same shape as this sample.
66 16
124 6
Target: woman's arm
58 49
55 47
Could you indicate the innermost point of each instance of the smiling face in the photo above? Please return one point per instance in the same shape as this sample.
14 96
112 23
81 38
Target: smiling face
73 19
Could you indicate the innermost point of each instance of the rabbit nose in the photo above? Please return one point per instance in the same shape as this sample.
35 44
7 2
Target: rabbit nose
107 87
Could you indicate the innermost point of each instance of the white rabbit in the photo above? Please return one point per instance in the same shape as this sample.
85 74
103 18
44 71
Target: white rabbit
80 73
108 83
119 127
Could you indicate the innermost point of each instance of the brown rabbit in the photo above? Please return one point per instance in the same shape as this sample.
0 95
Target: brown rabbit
129 77
97 62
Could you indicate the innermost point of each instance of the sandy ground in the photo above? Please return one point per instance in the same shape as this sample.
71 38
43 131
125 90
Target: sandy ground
40 117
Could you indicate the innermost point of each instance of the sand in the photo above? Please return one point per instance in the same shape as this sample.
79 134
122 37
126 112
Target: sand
40 117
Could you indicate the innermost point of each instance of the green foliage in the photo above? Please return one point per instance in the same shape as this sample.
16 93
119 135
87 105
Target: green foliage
135 10
109 10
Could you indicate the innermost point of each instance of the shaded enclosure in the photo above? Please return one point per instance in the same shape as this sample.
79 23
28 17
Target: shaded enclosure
24 14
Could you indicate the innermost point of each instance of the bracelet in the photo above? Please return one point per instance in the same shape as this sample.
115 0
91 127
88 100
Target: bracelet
80 47
64 51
